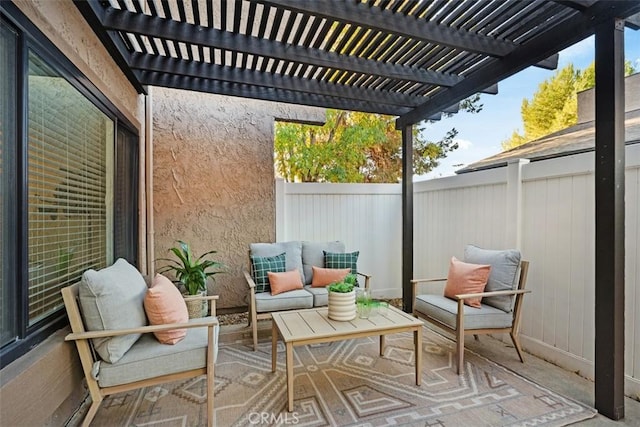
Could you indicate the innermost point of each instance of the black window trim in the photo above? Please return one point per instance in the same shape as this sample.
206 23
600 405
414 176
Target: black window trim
30 37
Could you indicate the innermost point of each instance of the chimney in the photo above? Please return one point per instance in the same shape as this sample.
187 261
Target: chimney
586 99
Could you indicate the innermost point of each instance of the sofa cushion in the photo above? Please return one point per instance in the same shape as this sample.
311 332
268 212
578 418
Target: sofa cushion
284 282
320 295
342 260
504 268
147 358
113 298
313 255
444 310
164 304
262 265
325 276
293 251
465 278
265 302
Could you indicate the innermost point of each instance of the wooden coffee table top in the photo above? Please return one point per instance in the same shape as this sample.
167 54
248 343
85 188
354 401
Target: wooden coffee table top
314 325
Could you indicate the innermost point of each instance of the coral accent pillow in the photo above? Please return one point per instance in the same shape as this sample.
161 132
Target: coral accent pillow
326 276
164 304
465 278
283 282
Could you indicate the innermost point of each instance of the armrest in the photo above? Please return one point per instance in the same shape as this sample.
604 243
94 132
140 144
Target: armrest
211 298
196 323
249 279
439 279
367 277
493 294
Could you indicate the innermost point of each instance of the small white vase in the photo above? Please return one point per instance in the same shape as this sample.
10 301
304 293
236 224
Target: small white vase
342 306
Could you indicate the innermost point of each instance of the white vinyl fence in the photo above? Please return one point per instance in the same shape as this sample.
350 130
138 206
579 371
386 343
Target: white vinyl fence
546 209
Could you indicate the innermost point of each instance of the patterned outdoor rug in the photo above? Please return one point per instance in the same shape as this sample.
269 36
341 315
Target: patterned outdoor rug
346 383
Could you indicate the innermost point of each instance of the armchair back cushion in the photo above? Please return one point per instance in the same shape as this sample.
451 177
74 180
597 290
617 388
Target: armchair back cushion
503 275
313 256
164 304
113 298
292 251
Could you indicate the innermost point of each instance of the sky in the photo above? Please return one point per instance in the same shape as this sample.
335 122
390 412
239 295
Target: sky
480 135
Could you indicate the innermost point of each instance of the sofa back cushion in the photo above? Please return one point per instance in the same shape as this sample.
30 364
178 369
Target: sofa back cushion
113 298
503 275
313 255
292 251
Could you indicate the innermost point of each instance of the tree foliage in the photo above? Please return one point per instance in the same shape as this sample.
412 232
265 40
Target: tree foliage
355 147
554 106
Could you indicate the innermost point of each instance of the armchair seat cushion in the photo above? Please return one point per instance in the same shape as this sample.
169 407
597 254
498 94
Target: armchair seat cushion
148 358
444 310
291 300
320 295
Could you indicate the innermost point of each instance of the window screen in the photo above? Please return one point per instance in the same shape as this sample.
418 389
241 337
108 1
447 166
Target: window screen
70 150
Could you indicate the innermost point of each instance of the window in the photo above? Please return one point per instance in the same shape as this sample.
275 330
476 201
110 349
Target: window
69 179
70 149
8 131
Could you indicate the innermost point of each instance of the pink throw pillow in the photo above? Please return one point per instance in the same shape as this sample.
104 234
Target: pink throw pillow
164 304
326 276
465 278
283 282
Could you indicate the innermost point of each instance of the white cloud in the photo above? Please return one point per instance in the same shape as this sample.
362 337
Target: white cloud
463 144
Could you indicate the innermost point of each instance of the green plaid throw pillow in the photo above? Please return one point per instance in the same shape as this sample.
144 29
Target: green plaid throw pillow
342 260
260 266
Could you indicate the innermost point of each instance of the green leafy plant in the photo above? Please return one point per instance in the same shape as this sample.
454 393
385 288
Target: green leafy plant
190 271
345 286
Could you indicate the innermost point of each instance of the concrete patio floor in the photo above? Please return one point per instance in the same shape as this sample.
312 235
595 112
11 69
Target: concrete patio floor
535 369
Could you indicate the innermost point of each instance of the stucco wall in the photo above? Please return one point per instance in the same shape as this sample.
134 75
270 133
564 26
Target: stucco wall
214 183
44 387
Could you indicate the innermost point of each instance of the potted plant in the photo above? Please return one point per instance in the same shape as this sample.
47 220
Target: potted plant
342 299
192 273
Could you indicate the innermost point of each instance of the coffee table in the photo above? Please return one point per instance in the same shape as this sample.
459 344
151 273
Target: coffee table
311 326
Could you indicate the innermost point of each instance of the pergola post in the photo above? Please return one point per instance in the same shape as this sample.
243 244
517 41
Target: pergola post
609 219
407 217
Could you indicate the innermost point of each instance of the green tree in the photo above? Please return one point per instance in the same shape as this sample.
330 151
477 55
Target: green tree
554 106
356 147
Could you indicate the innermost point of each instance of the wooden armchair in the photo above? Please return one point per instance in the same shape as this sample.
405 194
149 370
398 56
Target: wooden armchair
147 362
460 319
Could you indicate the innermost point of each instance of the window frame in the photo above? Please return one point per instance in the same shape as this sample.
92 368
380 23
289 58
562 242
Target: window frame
31 38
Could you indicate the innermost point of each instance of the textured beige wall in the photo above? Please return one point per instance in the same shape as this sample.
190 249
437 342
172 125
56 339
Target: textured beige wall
214 183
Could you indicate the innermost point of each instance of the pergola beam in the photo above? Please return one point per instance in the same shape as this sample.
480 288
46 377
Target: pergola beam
406 26
564 35
163 64
261 92
113 19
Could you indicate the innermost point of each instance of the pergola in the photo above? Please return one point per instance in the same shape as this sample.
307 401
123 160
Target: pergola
413 59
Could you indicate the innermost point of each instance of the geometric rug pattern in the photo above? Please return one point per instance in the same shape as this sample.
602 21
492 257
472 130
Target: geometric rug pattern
346 383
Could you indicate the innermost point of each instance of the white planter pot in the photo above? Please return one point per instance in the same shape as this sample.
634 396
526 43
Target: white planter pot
342 306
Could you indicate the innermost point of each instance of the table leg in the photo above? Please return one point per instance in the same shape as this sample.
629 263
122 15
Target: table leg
289 348
417 338
274 345
381 345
